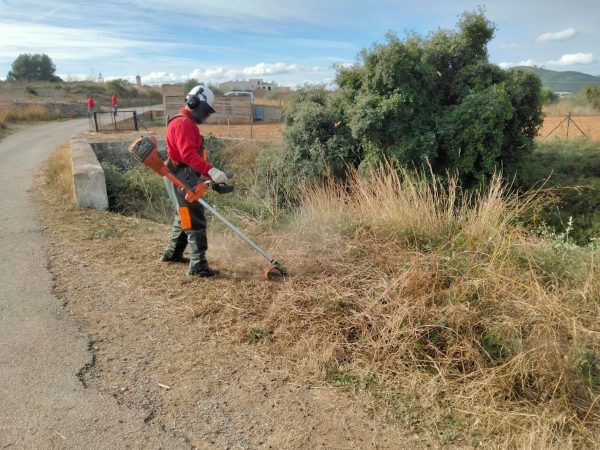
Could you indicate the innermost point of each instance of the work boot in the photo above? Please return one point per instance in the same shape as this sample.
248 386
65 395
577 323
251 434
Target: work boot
169 257
202 270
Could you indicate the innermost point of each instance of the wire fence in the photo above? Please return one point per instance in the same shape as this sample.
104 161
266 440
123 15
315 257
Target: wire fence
123 120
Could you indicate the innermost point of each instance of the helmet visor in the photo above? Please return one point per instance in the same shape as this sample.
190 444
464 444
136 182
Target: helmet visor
202 112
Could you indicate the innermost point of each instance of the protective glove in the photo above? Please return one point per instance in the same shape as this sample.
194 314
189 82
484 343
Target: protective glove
218 176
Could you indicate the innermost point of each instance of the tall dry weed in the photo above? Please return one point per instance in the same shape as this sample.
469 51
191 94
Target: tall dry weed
32 112
59 173
437 303
563 108
392 201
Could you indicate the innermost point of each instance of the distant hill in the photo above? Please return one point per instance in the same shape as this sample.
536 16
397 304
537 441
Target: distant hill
568 81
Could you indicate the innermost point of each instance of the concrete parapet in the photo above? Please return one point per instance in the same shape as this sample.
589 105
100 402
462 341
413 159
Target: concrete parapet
88 177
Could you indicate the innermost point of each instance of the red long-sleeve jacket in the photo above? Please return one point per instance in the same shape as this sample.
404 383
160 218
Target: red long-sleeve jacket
90 102
185 144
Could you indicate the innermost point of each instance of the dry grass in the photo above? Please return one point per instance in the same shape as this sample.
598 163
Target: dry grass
563 108
447 314
31 112
264 131
58 172
452 320
589 124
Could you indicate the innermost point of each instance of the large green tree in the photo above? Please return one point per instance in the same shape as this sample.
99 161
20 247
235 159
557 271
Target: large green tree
430 101
38 67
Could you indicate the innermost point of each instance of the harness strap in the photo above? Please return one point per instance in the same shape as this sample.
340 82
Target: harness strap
203 151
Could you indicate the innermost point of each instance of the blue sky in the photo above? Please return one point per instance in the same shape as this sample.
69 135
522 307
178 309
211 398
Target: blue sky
288 42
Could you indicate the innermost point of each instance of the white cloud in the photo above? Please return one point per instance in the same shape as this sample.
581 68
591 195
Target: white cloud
527 62
557 36
159 78
215 74
574 58
278 68
212 74
564 60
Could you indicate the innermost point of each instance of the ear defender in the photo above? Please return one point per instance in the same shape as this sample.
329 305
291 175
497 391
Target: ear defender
194 100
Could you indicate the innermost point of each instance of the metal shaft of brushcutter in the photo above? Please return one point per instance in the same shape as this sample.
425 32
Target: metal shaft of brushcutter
237 231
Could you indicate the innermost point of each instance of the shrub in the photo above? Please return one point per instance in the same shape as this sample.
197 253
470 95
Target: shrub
570 169
138 192
422 101
549 97
189 84
316 144
593 96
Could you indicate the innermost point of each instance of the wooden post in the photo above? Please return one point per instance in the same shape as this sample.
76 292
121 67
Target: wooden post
250 126
228 129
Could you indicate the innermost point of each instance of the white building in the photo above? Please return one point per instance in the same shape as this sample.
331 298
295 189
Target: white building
253 84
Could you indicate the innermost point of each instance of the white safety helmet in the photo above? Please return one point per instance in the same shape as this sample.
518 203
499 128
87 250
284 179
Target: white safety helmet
201 101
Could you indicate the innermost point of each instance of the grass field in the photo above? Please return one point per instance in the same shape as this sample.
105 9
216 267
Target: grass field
590 125
264 131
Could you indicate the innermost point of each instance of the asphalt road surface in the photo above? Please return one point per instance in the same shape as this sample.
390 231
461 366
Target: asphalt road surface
42 402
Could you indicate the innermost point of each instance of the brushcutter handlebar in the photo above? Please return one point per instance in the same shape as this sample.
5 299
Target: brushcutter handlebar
222 188
145 150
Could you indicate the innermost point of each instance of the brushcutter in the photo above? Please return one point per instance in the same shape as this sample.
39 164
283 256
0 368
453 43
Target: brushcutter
145 150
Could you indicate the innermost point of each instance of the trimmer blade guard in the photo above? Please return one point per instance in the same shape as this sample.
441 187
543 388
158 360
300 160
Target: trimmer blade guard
275 272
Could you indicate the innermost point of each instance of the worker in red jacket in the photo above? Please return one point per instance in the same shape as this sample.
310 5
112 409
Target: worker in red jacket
187 160
90 105
115 104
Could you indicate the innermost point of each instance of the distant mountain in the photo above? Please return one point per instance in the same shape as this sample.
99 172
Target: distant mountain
568 81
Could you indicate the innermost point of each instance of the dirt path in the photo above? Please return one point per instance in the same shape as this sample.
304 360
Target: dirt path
43 404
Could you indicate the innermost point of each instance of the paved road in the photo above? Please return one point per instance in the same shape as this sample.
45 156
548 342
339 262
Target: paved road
42 403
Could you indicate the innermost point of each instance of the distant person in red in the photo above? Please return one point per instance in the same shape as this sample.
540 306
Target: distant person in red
90 105
115 104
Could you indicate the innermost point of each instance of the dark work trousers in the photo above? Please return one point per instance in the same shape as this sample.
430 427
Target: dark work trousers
189 225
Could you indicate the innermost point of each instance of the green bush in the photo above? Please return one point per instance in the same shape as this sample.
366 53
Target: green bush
593 96
317 144
571 168
137 192
423 101
189 84
549 97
